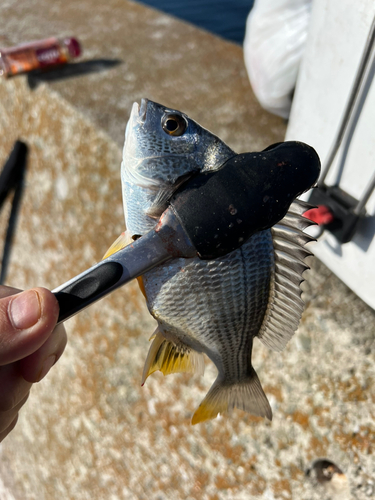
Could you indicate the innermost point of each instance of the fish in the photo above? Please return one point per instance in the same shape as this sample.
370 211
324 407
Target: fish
209 307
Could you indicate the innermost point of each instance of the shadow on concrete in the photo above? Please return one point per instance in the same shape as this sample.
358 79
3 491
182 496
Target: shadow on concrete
36 77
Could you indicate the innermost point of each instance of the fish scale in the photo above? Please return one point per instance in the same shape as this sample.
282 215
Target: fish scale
213 307
224 299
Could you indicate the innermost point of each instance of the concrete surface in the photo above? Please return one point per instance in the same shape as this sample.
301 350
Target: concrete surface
89 431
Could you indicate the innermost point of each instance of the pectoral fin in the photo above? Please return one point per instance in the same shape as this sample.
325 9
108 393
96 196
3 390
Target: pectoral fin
142 286
168 357
121 242
246 395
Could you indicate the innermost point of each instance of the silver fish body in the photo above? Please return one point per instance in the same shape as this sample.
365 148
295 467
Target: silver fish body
213 307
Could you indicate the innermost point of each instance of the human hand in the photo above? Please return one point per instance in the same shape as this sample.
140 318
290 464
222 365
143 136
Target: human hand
28 349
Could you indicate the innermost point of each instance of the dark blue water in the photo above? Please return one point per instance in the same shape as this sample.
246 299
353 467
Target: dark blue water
226 18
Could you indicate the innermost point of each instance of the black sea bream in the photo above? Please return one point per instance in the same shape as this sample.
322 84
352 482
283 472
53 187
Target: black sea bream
213 307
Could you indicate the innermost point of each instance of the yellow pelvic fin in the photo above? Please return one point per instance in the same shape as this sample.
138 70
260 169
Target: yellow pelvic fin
246 395
121 242
168 357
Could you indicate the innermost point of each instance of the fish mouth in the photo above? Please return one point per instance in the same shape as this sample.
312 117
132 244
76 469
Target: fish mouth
137 116
143 110
139 111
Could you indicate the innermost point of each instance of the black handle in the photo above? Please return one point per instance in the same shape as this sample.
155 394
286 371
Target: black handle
82 291
251 192
119 268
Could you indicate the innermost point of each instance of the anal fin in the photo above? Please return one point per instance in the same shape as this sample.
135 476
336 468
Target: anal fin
246 395
169 357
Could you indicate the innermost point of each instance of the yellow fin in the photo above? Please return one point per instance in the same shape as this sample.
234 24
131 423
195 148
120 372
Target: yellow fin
153 335
168 357
246 395
121 242
215 402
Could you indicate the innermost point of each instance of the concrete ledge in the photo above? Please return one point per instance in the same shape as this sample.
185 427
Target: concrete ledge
163 59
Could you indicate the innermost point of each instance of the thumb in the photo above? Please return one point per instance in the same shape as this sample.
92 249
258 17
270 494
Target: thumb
26 321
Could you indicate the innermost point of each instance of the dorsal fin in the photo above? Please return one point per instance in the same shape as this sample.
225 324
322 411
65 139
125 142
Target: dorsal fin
168 357
285 305
299 207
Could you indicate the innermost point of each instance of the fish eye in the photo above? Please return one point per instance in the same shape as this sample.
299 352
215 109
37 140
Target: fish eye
174 124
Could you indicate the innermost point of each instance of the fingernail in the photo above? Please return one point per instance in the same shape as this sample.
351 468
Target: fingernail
47 365
25 310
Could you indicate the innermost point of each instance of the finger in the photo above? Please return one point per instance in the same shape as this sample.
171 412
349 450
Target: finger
4 434
13 387
36 366
7 417
26 321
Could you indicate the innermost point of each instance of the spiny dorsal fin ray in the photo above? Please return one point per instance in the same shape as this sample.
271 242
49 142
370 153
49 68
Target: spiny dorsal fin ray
276 337
246 395
296 222
299 207
288 273
282 322
285 304
290 316
168 357
293 235
292 248
290 261
283 297
288 293
282 280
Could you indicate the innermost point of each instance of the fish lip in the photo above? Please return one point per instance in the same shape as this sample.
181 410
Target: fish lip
143 110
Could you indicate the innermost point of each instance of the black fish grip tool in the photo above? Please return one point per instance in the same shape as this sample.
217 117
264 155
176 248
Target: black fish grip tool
253 191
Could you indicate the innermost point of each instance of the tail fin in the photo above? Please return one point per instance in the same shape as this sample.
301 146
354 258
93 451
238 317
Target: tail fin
246 395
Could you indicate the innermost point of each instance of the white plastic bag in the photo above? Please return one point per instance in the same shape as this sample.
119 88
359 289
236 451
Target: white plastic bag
276 32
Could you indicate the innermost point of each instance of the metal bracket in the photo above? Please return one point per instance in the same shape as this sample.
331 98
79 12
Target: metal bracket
346 210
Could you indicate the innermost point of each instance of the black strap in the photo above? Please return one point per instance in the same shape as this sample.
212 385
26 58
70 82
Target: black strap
11 179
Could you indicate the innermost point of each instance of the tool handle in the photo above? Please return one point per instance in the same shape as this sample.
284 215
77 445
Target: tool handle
87 288
113 272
